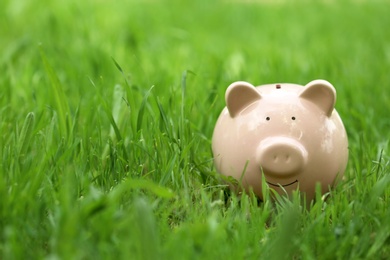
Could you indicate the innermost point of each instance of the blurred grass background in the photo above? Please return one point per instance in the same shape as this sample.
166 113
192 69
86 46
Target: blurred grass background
107 112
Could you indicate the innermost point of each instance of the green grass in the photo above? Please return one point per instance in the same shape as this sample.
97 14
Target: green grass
107 112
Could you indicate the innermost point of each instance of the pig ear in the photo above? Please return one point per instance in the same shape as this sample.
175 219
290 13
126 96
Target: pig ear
321 93
240 95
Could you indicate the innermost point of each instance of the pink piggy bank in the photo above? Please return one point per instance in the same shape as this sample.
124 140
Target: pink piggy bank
290 133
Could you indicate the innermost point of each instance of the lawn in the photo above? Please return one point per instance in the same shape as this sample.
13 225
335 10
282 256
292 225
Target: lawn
107 111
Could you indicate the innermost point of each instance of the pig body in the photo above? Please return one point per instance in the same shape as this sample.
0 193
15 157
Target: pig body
290 133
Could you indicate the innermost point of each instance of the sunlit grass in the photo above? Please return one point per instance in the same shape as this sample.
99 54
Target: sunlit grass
107 112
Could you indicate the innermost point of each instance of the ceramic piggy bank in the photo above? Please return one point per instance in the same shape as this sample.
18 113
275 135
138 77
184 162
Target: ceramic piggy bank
290 133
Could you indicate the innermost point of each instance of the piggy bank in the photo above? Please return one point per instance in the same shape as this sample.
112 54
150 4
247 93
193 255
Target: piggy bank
288 133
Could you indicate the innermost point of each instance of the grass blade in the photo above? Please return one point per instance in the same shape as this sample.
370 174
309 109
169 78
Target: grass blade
25 134
142 109
134 184
60 99
111 118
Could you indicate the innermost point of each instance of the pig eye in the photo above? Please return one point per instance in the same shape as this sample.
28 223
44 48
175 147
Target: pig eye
267 118
293 118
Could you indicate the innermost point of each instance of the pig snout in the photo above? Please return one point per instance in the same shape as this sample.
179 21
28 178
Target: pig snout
281 156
